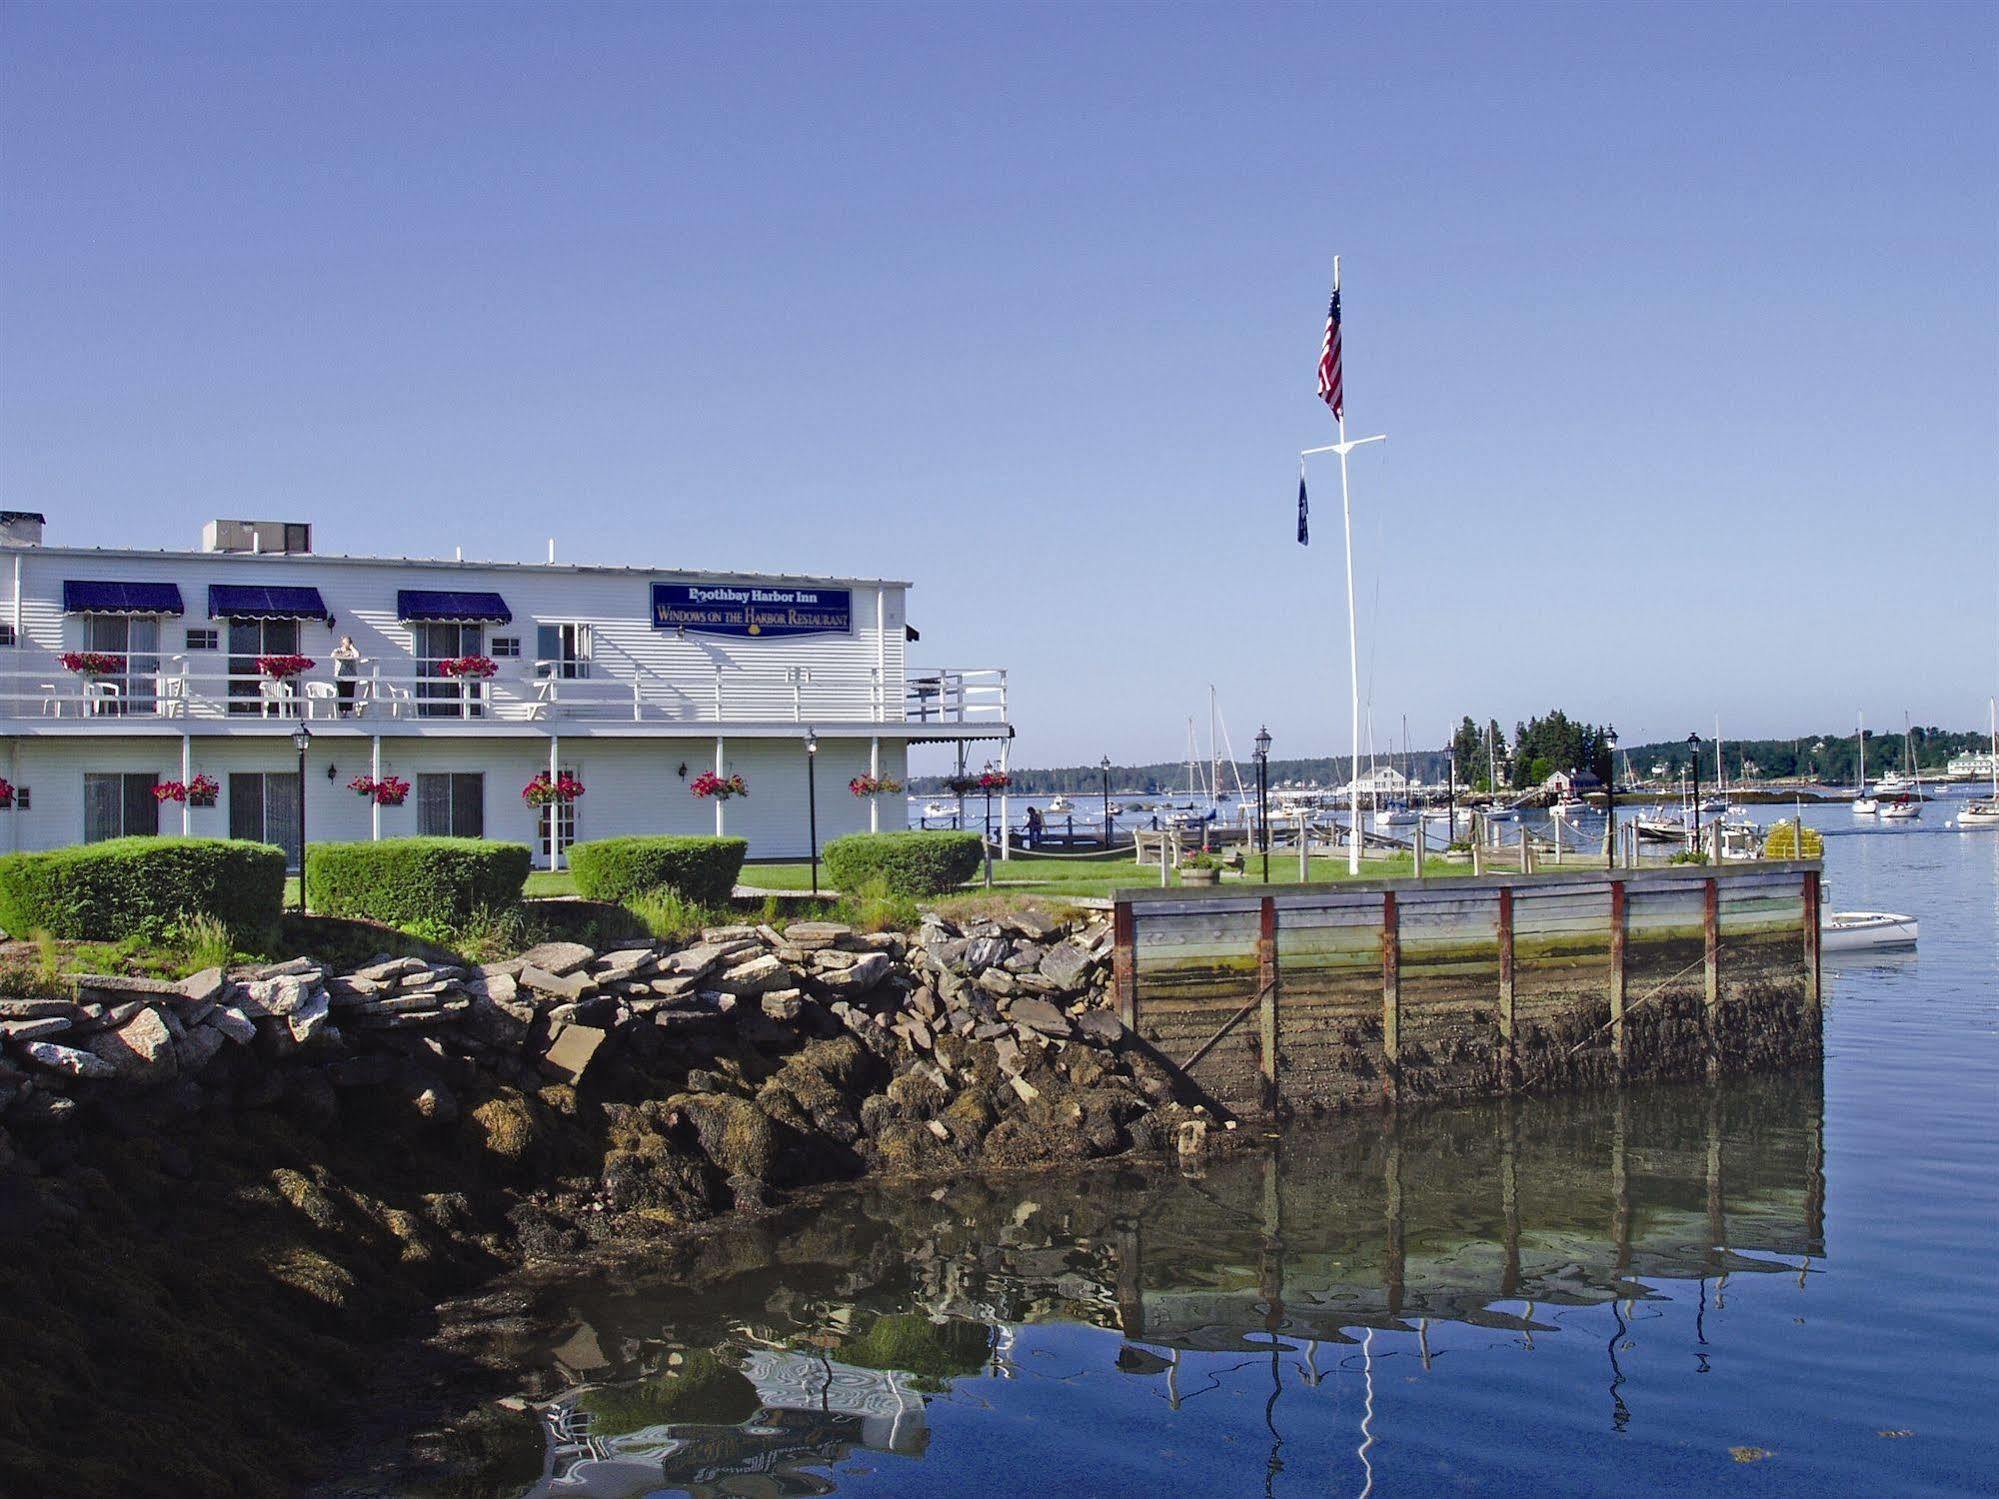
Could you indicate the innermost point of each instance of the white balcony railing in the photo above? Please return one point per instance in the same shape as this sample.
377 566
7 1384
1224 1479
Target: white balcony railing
412 690
935 694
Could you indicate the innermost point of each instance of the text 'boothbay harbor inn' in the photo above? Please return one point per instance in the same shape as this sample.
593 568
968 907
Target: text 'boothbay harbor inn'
165 692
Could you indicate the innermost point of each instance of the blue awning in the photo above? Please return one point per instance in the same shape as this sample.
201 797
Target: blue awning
422 606
84 597
243 601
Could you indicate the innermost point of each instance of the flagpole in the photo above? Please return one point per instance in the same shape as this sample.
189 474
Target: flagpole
1344 447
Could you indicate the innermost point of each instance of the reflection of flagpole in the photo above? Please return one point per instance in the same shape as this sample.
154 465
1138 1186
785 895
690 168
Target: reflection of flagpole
1344 447
1367 1410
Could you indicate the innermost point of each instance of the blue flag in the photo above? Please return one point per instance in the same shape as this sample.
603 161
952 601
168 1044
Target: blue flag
1304 514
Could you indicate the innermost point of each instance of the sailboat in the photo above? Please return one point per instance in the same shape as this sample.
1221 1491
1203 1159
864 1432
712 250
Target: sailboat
1495 813
1984 813
1863 804
1907 808
1718 803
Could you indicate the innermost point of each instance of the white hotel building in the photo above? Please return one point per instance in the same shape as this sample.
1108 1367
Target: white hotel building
634 680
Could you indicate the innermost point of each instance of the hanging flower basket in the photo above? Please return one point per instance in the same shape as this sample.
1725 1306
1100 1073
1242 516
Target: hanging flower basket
280 668
709 784
92 663
202 791
477 668
543 792
962 785
169 791
994 780
389 791
874 785
6 794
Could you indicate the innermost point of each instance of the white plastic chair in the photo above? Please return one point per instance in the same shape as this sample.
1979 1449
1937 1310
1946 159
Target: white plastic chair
320 692
276 695
101 697
170 695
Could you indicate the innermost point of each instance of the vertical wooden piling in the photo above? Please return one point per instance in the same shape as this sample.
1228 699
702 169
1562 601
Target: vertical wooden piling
1619 927
1391 992
1814 938
1124 964
1506 985
1417 849
1711 966
1266 974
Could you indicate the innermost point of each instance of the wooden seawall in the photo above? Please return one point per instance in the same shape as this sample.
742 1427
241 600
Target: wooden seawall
1319 997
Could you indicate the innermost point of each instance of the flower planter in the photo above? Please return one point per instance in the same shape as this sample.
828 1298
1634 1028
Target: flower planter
1200 876
708 785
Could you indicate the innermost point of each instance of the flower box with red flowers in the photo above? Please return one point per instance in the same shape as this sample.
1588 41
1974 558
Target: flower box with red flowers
470 668
92 663
543 792
279 668
874 785
388 791
203 790
169 791
6 794
709 784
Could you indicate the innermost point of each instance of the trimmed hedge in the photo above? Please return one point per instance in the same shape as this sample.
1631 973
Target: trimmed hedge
622 869
408 880
908 863
143 887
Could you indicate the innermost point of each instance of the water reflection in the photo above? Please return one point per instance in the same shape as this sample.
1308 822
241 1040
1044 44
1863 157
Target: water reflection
758 1361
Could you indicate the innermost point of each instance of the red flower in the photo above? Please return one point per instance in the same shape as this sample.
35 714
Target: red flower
709 784
280 667
469 666
541 791
169 791
92 663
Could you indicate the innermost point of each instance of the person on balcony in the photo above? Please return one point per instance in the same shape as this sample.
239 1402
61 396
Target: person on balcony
346 663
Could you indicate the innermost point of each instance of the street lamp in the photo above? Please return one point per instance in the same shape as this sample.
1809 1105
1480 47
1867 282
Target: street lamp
301 741
1694 750
1610 803
812 800
1105 767
1263 798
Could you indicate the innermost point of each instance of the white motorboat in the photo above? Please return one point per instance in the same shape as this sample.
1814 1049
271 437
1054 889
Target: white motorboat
1398 817
1503 814
1862 931
1569 809
1059 804
1984 813
937 809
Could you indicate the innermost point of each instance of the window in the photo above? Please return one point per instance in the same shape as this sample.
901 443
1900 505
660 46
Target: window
451 805
439 696
562 650
565 818
117 805
508 646
204 640
263 808
6 635
136 637
249 639
21 799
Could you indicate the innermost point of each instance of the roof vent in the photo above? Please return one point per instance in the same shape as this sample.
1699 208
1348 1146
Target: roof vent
256 536
21 528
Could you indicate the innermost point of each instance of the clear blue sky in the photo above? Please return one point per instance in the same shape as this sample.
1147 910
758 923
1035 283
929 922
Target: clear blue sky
1682 319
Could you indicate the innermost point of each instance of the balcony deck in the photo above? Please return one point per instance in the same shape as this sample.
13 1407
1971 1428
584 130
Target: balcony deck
531 699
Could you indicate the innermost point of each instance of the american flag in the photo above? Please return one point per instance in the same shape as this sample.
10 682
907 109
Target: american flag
1332 387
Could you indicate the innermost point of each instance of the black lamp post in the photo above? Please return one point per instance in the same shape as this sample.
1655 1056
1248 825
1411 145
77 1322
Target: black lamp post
1694 750
1610 803
812 800
1263 798
301 741
1105 767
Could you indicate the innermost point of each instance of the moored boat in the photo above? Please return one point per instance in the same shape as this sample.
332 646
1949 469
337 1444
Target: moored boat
1861 931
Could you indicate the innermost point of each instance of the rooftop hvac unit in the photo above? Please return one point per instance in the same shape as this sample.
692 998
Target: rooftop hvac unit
256 536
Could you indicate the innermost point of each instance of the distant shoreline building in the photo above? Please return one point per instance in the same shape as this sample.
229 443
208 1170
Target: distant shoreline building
472 678
1971 763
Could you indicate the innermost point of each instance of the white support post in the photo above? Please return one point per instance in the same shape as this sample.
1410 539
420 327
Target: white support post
554 809
720 801
1006 822
881 654
875 770
374 774
186 775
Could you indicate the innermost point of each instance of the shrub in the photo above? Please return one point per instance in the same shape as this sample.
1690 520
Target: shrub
914 864
700 870
144 887
440 882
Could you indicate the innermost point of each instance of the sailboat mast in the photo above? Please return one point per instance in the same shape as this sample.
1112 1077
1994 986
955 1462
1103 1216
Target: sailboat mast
1860 733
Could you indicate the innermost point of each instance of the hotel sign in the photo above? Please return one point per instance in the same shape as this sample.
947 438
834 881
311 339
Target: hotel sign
757 609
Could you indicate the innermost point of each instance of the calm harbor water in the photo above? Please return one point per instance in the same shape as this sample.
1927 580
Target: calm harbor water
1780 1285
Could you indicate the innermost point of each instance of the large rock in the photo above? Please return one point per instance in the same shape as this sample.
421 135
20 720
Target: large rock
1100 1027
983 952
572 1051
760 975
497 1024
1066 964
281 994
867 972
811 936
558 958
198 1047
234 1024
310 1017
68 1060
1040 1016
205 985
570 986
30 1030
35 1009
141 1048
